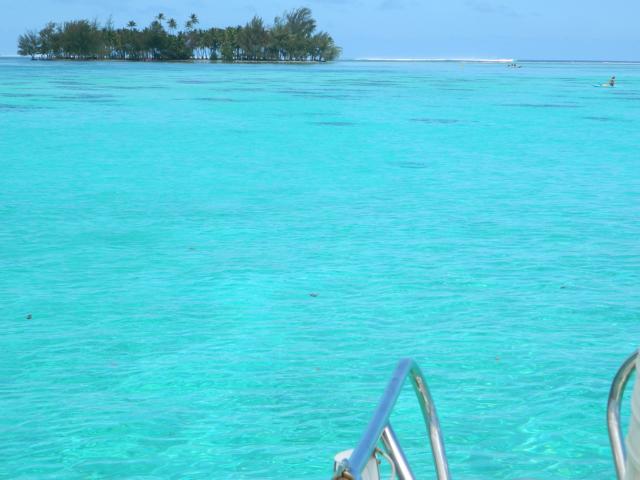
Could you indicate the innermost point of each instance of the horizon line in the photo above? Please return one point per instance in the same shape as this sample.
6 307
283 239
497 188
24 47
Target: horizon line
484 60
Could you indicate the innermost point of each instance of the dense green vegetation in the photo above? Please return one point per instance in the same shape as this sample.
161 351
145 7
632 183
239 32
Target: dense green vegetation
292 37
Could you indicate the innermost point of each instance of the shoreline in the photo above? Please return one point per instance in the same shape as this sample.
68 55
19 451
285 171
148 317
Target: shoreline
199 60
341 60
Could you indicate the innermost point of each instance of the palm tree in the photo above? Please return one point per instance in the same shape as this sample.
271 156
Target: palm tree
172 24
192 35
160 17
131 25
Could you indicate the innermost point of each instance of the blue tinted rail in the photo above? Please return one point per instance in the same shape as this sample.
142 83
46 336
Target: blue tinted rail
352 468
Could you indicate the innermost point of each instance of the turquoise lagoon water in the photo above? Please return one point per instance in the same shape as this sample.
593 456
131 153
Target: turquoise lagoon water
164 226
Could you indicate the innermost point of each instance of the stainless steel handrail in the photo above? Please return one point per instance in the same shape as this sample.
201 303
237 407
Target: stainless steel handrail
353 467
393 448
613 413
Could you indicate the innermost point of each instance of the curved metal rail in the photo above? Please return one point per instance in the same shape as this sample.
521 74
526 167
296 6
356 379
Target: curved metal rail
379 426
613 413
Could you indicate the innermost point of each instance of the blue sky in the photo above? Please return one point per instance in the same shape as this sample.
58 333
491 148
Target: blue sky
543 29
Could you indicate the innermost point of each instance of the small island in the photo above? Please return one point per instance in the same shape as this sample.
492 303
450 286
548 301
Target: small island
291 38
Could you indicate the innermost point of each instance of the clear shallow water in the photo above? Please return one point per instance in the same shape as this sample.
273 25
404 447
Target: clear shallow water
165 224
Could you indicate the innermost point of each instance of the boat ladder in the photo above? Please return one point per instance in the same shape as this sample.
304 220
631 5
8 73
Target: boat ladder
361 463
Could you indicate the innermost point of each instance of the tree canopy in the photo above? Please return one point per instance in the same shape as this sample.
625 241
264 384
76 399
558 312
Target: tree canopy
292 37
